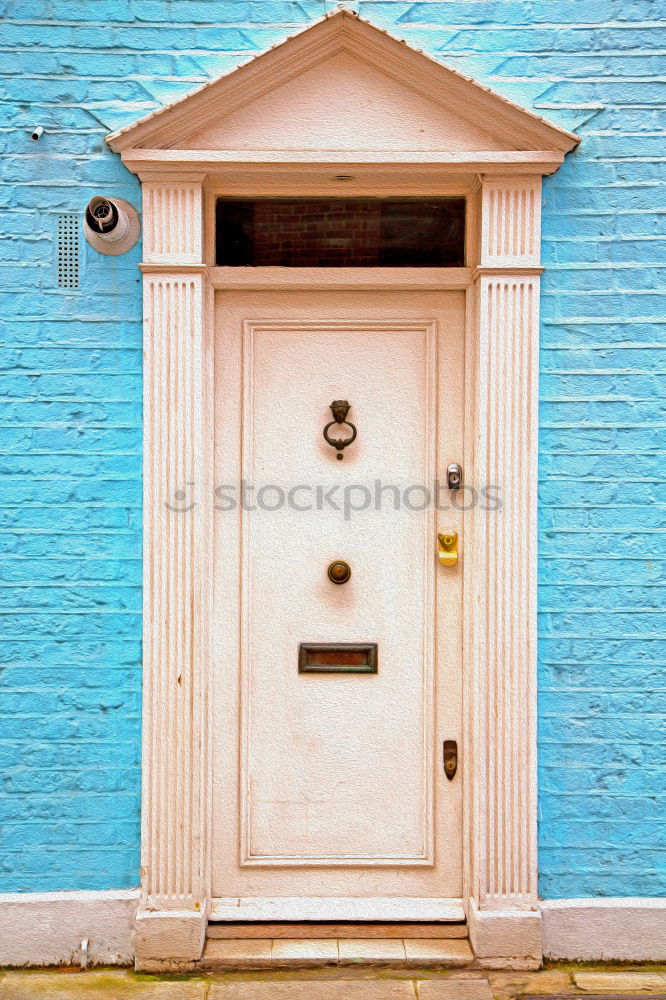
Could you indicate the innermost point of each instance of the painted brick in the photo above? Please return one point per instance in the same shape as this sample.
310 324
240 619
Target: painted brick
70 427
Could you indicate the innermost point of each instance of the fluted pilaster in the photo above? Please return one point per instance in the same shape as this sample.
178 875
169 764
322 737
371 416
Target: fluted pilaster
501 602
511 222
172 222
176 655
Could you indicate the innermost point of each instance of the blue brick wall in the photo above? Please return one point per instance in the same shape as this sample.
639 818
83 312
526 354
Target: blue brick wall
70 424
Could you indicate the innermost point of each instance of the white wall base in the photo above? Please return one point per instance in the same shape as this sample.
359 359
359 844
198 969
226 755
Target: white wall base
47 928
614 929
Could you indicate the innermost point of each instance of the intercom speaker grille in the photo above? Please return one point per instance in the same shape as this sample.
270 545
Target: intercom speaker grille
68 250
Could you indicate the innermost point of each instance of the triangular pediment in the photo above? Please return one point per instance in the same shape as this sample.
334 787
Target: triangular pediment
342 84
342 103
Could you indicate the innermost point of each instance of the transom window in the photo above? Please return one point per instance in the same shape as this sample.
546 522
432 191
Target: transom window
340 232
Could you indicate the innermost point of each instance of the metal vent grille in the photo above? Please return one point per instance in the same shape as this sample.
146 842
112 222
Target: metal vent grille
68 250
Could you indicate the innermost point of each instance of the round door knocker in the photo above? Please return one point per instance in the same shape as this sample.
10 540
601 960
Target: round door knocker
339 408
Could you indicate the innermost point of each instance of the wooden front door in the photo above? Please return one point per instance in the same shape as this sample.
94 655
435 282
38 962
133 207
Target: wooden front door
330 799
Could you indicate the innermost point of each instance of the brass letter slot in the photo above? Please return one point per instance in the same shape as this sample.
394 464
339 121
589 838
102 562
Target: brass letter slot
337 658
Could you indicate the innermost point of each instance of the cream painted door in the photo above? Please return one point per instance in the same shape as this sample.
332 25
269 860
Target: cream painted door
330 799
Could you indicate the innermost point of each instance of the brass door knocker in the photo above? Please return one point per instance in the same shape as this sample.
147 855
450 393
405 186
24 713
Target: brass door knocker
340 408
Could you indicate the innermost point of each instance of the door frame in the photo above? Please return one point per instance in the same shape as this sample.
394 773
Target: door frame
501 281
461 138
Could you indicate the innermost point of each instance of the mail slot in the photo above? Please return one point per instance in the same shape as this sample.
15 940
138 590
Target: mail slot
337 658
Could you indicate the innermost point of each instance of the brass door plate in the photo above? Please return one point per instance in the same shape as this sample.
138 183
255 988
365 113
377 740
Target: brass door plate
337 658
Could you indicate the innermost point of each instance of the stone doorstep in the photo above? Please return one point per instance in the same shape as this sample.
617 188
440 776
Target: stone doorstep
323 929
299 953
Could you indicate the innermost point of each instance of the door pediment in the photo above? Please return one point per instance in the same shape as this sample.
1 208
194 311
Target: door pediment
342 85
343 103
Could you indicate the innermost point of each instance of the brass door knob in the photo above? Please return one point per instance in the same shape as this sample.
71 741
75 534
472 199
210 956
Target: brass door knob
339 571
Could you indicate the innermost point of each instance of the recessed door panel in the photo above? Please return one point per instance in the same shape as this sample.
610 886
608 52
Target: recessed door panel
330 781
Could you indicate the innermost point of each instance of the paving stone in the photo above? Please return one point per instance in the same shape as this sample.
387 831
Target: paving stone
611 982
299 952
367 951
455 988
299 989
95 986
427 952
510 984
253 953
